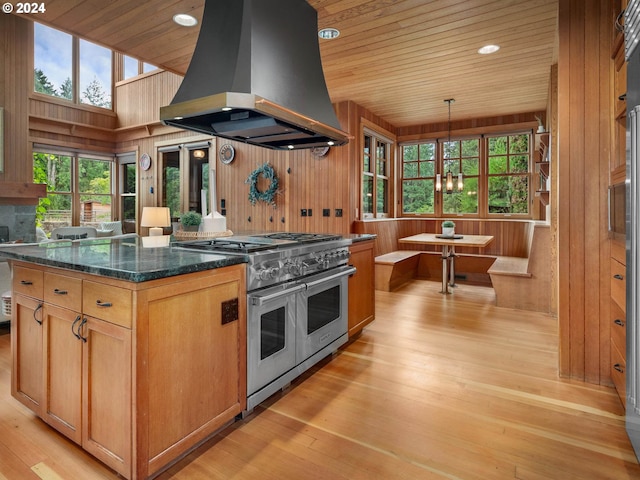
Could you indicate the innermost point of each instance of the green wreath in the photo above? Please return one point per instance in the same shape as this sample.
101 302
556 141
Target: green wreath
269 194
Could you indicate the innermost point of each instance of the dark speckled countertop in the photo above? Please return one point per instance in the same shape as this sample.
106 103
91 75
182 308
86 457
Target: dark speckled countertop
124 259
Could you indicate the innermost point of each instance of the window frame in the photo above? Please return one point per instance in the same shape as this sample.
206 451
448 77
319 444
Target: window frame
377 135
483 176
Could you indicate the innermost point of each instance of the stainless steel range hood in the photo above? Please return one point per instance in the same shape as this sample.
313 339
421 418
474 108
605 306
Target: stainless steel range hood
256 77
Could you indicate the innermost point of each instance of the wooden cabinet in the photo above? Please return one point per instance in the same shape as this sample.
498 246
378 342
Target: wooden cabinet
361 287
618 319
135 409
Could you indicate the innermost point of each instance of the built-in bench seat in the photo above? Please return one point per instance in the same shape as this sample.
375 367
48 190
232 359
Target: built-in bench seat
515 264
395 268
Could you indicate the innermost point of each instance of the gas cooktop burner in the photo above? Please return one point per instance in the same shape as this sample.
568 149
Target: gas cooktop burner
301 237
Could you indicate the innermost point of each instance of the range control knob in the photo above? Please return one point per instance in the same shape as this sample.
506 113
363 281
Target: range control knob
268 273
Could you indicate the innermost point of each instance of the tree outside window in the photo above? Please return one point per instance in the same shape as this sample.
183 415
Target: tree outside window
54 210
418 178
461 156
508 174
376 164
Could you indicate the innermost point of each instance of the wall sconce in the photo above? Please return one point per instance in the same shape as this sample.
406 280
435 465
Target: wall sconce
198 154
155 218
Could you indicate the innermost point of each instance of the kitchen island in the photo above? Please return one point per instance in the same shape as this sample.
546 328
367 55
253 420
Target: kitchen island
136 354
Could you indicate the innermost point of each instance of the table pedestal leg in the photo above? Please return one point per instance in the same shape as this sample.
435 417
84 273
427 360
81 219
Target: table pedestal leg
452 267
445 275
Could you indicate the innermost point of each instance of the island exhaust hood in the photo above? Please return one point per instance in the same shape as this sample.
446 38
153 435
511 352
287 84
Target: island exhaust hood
256 77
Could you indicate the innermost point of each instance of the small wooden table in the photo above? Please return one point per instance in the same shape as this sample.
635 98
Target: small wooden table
448 250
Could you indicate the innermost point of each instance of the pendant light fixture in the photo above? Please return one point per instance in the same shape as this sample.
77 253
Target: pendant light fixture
449 176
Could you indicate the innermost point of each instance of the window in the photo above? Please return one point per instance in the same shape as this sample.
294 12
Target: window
133 67
508 173
376 164
461 156
54 68
53 65
79 189
95 74
496 171
418 178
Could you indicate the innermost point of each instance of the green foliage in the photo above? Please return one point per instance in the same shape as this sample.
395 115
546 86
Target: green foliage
94 94
42 84
448 224
191 219
66 89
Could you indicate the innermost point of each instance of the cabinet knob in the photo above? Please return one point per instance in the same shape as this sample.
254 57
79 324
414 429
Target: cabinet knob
617 276
59 292
617 321
100 303
26 282
618 368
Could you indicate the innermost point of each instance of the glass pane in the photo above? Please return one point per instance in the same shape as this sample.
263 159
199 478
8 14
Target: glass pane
52 62
323 308
428 151
129 178
381 194
171 183
95 74
427 169
272 331
410 169
418 196
519 143
462 202
130 67
95 209
470 166
367 163
54 170
519 164
497 145
410 152
509 194
453 166
470 148
367 194
94 176
147 67
128 208
57 212
497 165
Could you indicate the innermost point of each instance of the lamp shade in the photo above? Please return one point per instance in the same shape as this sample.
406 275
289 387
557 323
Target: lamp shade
155 218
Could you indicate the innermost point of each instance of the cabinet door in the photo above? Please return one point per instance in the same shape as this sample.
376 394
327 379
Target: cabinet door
361 287
26 348
106 394
62 371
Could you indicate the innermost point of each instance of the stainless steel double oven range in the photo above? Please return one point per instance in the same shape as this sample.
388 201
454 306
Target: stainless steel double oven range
296 303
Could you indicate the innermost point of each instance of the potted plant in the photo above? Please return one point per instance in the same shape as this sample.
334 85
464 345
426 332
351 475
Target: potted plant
190 221
448 228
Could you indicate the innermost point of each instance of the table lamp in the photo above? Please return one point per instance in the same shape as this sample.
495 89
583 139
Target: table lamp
155 218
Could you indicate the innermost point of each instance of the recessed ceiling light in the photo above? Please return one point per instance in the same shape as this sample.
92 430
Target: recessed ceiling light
185 20
329 33
487 49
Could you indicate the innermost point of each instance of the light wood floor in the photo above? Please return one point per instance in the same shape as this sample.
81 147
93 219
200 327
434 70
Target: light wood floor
438 387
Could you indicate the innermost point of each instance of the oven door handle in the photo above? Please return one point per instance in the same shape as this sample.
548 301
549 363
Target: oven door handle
260 299
343 271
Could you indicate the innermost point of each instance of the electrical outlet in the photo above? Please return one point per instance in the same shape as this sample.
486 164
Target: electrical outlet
310 212
303 212
338 212
326 212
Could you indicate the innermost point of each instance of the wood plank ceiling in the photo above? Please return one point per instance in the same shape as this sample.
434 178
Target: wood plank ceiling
398 58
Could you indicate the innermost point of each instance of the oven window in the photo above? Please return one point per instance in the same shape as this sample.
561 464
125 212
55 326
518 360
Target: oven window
272 325
323 308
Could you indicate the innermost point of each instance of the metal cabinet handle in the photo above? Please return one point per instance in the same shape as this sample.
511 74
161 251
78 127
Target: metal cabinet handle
82 323
59 292
100 303
26 282
617 321
39 307
618 368
77 335
617 276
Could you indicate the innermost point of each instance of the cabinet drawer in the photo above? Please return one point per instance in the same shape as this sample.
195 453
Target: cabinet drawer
63 291
618 369
106 302
28 281
618 284
618 329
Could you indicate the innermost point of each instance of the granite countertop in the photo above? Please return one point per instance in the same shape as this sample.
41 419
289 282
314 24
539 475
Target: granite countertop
125 259
360 237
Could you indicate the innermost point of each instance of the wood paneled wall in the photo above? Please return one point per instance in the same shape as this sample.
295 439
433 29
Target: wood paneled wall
584 146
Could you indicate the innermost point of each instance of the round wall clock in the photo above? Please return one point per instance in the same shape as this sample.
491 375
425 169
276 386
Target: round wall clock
145 161
226 153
